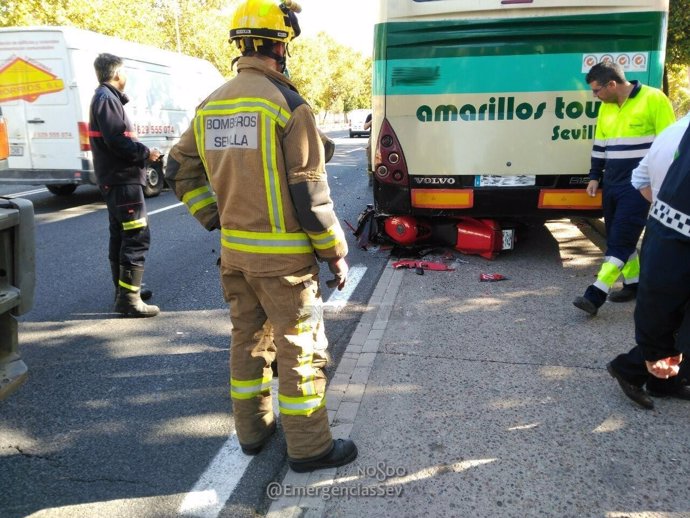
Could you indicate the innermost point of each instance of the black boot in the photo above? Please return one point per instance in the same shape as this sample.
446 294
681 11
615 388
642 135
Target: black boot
128 301
145 293
343 451
592 300
626 294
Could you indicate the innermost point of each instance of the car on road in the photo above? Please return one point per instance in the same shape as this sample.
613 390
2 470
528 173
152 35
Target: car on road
357 118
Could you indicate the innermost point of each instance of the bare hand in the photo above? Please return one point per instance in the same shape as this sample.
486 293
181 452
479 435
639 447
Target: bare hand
154 154
339 269
666 367
592 187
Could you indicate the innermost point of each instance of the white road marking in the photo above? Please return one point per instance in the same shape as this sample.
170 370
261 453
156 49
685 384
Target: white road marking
216 484
25 193
339 299
164 209
208 497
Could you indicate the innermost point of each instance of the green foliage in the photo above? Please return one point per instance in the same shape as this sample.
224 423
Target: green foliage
331 76
679 93
678 45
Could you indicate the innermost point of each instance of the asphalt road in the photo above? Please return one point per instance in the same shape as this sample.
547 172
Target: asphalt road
121 417
126 417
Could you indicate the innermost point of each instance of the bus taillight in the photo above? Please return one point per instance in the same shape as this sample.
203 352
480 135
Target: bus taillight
390 165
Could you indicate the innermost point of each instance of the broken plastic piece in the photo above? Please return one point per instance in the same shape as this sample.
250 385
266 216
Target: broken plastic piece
492 277
424 265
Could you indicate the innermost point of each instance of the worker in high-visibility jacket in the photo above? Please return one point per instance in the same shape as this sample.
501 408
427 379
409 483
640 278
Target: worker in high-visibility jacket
252 164
630 117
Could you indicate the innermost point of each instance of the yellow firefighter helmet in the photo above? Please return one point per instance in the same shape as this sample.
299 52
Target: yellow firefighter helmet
260 20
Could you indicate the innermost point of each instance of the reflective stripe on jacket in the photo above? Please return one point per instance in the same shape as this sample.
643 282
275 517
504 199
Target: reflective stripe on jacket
625 133
255 144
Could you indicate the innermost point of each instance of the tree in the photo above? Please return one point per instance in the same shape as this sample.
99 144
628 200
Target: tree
678 55
678 45
331 76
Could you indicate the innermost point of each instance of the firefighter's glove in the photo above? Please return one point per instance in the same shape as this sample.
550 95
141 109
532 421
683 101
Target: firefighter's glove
339 269
213 223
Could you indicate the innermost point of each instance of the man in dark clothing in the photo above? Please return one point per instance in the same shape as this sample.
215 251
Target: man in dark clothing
119 162
662 314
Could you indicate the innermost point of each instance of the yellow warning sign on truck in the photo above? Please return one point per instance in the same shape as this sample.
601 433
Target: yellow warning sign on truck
21 79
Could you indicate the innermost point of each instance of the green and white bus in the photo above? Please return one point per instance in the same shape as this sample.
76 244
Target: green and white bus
481 108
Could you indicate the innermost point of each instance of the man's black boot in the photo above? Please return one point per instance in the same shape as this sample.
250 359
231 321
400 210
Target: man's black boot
144 293
625 294
343 451
592 300
255 448
128 302
635 393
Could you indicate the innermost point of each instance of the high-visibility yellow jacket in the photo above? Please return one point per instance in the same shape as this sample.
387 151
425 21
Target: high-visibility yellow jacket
625 133
253 163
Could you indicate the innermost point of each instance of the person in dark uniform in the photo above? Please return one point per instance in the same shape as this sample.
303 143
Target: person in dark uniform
119 162
662 314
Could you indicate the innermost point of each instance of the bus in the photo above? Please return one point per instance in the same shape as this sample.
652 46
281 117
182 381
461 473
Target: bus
481 109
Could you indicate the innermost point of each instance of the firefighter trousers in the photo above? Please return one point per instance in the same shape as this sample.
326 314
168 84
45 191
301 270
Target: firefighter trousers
129 231
278 317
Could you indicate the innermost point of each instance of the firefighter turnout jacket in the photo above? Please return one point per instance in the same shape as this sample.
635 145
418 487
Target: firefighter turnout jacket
266 185
117 156
625 133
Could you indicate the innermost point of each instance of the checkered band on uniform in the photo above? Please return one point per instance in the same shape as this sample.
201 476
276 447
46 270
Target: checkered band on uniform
671 218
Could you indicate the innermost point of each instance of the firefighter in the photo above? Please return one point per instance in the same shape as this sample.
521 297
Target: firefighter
252 165
630 116
119 160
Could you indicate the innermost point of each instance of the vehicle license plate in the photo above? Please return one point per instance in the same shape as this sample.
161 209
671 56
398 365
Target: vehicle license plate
16 150
496 180
508 239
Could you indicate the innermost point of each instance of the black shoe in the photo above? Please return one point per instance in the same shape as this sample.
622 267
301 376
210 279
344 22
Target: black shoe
591 301
682 392
626 294
342 452
585 305
637 394
255 448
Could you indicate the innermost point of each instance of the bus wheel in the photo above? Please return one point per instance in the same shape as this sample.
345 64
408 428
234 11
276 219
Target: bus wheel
62 190
154 181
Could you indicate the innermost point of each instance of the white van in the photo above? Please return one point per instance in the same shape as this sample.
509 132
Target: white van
47 81
357 118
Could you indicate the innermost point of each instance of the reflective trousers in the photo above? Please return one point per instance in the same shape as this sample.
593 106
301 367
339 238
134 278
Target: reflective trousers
129 230
278 317
625 214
